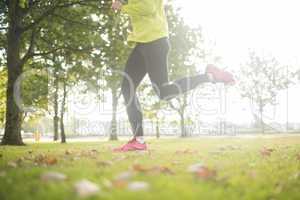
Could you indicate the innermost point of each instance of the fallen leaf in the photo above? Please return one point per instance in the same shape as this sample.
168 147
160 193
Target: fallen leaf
53 176
94 151
139 168
86 188
50 161
119 183
266 151
138 186
298 156
12 164
105 163
252 174
162 169
45 159
156 169
68 152
205 173
195 167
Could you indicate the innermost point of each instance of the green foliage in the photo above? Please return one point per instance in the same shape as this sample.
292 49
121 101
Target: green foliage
35 91
23 3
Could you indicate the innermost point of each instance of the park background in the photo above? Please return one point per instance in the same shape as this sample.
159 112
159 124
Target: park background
61 113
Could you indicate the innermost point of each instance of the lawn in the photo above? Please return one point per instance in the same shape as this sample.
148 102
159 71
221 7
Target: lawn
201 168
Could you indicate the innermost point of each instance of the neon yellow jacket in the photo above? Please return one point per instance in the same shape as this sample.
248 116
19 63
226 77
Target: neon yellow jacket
148 20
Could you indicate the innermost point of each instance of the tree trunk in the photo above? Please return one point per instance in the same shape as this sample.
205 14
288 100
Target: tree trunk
157 129
182 125
62 112
113 125
55 118
12 134
181 113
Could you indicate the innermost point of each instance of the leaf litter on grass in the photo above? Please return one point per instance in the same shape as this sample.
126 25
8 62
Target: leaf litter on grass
202 172
152 170
266 151
85 188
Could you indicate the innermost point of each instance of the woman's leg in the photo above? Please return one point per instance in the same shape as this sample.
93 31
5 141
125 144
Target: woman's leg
134 71
156 57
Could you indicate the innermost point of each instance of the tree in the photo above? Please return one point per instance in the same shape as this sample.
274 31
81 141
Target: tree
2 95
117 53
185 42
112 60
261 78
27 32
62 110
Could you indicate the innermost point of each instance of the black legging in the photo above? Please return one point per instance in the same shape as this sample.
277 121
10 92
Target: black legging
152 58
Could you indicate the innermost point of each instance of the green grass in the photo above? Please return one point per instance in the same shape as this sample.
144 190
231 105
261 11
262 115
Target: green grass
242 172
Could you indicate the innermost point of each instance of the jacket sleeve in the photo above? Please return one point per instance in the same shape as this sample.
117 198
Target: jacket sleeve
139 7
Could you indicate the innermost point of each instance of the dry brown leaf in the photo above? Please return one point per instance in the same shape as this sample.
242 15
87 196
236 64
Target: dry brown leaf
155 169
68 152
252 174
12 164
162 170
45 159
266 151
205 173
50 160
94 151
298 156
139 168
119 183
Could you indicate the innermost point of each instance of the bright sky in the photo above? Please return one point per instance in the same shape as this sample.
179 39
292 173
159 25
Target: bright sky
271 26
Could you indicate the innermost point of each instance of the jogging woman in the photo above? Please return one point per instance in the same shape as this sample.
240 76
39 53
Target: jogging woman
150 56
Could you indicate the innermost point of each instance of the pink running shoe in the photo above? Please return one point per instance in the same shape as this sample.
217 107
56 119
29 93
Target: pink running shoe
220 75
132 145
